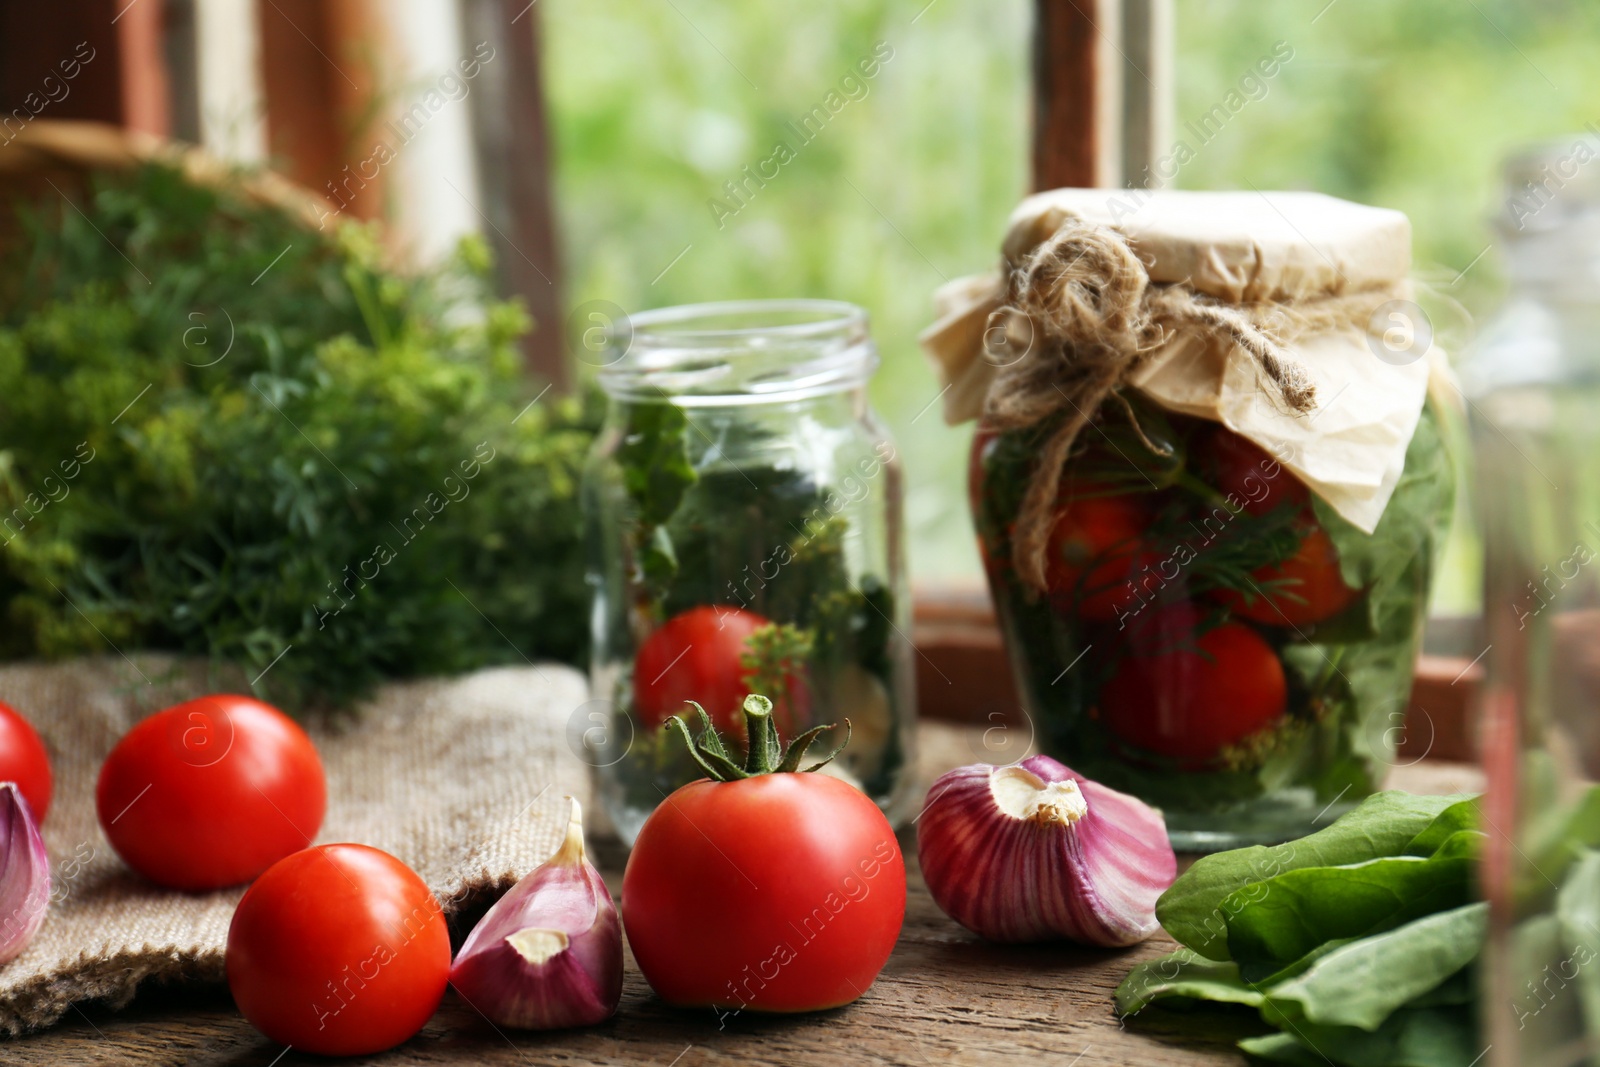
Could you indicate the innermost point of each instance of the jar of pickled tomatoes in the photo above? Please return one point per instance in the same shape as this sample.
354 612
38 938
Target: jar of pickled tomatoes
1208 482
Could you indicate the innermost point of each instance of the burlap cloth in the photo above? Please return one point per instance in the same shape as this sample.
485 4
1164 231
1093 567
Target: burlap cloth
462 779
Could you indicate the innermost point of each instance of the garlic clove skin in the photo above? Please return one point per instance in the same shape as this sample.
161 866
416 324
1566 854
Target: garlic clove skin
1035 852
24 874
548 954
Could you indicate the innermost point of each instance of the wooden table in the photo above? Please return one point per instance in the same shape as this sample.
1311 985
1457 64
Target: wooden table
945 998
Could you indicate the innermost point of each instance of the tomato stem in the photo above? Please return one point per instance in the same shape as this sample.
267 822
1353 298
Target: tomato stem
765 753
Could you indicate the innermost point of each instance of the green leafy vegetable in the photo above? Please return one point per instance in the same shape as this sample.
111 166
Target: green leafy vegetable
222 434
1384 824
1358 942
1280 919
1412 1037
1185 973
1363 982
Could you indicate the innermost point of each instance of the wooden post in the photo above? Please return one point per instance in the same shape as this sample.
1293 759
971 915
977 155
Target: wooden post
146 101
1077 116
319 87
513 149
1102 92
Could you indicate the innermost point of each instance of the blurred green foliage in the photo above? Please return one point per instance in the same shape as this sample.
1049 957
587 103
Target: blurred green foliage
1407 104
223 434
657 106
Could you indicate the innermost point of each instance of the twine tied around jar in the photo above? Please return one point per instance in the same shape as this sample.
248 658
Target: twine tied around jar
1089 317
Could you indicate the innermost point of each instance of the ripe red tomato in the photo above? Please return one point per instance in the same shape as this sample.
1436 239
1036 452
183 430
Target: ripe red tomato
1253 476
798 883
211 792
1093 550
1186 697
1313 588
24 761
339 950
695 655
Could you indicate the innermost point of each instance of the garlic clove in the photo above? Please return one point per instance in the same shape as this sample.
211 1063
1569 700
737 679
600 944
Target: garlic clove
1032 851
548 954
24 874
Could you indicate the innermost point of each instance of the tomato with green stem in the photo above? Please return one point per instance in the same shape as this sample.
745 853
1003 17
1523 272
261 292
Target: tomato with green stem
795 878
1185 693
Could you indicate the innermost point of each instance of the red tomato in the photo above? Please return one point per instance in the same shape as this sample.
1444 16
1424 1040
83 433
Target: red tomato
781 892
339 950
24 761
1186 697
1094 548
1253 476
211 792
1313 589
695 655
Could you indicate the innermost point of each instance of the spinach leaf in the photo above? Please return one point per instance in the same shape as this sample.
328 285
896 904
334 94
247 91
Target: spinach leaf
1460 816
1185 973
1383 825
1412 1037
1364 982
1275 921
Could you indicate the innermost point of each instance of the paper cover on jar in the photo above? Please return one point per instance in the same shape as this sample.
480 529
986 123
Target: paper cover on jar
1312 273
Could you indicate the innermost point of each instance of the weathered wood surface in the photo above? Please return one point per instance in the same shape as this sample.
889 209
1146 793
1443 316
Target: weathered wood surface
945 998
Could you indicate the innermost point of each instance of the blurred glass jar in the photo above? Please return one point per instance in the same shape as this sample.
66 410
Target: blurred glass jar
743 514
1534 386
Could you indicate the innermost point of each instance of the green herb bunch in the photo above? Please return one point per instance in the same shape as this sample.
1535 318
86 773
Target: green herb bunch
224 434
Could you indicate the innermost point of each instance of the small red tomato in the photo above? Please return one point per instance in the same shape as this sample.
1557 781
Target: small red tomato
697 655
1306 588
339 950
24 761
1249 473
211 792
1187 695
1094 547
782 892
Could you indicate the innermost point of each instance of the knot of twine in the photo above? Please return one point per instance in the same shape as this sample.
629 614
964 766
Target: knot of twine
1087 317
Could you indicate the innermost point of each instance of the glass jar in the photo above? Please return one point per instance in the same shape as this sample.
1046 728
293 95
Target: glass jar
743 517
1214 638
1534 382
